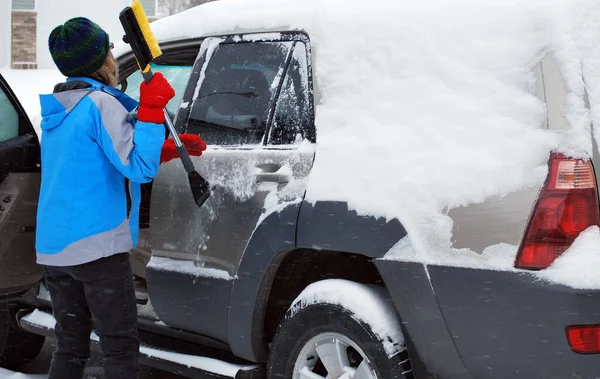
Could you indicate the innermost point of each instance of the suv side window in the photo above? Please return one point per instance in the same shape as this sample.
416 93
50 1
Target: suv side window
9 118
293 119
235 92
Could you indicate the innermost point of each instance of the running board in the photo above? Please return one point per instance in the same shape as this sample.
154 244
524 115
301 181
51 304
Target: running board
190 366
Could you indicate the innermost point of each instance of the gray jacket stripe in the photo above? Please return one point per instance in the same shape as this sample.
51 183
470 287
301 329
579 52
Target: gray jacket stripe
89 249
116 122
69 99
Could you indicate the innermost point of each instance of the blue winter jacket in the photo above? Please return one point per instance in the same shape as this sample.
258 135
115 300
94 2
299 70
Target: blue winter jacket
87 208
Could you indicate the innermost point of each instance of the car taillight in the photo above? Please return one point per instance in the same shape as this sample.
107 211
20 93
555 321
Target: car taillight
584 339
566 206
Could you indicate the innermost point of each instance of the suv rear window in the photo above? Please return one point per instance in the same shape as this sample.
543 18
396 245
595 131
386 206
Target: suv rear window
236 91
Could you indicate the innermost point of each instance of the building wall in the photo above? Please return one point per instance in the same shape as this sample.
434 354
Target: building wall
24 39
55 12
5 33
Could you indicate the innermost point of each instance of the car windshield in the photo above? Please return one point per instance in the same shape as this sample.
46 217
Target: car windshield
236 91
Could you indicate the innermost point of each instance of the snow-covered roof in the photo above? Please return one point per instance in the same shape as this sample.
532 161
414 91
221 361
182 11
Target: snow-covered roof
226 17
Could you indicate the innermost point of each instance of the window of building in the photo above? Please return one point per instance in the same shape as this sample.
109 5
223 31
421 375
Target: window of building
24 5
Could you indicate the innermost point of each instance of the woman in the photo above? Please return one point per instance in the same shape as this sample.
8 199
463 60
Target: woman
92 163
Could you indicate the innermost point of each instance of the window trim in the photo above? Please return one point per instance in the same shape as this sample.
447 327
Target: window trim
310 111
33 9
183 115
25 124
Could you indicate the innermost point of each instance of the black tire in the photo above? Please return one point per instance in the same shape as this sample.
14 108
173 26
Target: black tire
297 330
17 347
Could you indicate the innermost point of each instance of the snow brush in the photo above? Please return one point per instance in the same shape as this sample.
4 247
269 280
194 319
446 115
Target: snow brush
139 35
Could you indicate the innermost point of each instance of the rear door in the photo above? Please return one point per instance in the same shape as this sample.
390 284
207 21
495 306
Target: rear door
19 191
250 99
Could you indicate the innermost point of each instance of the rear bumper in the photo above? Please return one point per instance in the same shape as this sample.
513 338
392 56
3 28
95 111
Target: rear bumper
490 325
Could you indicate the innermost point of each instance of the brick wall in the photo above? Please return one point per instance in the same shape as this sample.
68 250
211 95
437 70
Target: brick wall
24 26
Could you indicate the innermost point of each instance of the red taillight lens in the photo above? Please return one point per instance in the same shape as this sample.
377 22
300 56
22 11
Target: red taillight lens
567 205
584 339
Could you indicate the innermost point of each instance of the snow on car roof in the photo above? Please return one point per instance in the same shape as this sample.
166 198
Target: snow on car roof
426 105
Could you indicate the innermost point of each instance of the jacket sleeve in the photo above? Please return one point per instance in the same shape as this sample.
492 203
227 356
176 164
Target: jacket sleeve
134 152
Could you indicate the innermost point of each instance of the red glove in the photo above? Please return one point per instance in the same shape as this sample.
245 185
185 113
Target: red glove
193 143
154 97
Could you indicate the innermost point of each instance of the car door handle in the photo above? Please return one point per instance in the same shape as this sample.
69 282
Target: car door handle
272 177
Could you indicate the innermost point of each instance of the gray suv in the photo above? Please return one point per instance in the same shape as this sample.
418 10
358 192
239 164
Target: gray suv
259 282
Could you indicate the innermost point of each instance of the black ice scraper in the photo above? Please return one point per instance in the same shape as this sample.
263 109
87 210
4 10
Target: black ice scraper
139 35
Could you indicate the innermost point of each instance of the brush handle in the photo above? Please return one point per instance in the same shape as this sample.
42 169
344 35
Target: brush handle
181 150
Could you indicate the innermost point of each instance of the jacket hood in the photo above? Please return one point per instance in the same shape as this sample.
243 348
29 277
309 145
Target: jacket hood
57 106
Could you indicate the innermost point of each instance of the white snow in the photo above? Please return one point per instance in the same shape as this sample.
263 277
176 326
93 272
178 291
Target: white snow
188 267
43 293
207 364
6 374
496 257
28 85
208 49
38 317
364 302
579 266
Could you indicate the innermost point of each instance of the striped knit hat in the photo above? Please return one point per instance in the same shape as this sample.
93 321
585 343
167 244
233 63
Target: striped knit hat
79 47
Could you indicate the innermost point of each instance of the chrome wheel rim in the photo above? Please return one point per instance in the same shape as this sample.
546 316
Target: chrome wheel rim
332 356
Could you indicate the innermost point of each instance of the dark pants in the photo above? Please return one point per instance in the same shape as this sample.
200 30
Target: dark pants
99 293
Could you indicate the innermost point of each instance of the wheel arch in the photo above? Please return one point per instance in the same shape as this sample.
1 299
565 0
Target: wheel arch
322 231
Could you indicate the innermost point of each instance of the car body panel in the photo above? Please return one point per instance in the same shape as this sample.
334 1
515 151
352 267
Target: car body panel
19 190
211 239
330 225
248 181
189 302
431 347
272 239
506 323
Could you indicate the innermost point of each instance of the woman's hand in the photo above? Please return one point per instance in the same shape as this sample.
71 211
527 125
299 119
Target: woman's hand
154 97
193 143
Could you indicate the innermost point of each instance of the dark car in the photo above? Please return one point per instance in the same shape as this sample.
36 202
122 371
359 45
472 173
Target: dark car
263 282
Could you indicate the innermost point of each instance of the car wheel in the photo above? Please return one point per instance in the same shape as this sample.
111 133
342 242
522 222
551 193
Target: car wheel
324 340
17 347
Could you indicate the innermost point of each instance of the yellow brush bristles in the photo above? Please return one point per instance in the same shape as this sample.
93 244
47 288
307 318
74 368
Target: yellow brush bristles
142 20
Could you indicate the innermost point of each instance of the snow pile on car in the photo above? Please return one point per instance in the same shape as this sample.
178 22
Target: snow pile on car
578 266
427 105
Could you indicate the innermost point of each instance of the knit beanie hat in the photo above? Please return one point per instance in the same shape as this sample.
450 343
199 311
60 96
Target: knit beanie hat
79 47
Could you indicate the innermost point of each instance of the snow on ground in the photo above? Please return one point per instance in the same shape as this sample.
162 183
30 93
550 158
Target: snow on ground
28 85
6 374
